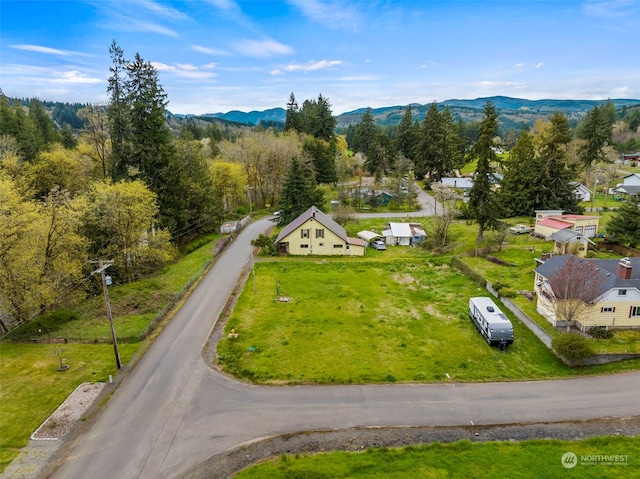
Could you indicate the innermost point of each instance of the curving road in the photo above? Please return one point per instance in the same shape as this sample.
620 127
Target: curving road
173 412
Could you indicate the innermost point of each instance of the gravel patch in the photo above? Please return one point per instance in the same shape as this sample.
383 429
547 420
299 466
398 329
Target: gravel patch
71 410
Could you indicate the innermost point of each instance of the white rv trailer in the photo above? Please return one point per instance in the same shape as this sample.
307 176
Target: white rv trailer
494 326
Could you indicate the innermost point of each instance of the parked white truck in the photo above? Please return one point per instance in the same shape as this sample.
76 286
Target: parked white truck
494 326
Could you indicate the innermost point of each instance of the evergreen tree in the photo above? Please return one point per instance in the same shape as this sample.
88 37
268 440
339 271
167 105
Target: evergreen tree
325 123
299 192
554 174
118 113
292 115
439 149
624 225
381 156
28 135
407 135
316 119
426 154
518 189
482 201
365 134
596 129
42 121
323 156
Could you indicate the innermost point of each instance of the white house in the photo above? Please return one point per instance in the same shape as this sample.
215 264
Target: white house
630 185
398 234
581 192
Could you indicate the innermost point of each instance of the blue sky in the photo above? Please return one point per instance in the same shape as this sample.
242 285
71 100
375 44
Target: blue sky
222 55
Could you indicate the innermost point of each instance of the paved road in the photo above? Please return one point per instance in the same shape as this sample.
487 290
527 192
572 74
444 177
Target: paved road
173 412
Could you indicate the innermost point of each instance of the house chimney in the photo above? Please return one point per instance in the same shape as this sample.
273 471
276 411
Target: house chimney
624 268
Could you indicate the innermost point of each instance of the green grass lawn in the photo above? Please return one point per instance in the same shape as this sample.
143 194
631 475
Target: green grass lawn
462 459
369 321
32 388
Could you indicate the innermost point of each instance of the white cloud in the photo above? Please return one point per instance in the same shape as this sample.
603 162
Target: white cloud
186 66
74 76
263 48
47 50
333 14
163 10
186 70
136 26
611 9
539 65
210 51
519 65
312 65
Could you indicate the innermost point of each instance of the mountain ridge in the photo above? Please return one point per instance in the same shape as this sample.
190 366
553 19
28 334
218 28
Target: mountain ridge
513 112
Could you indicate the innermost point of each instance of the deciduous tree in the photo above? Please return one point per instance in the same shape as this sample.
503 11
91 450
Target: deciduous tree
575 285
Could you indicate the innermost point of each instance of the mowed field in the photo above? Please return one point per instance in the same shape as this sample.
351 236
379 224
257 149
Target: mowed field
359 321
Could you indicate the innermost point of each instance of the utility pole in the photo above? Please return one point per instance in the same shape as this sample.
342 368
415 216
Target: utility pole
101 270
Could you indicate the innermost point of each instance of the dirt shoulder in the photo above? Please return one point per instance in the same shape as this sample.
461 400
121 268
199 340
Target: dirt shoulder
359 439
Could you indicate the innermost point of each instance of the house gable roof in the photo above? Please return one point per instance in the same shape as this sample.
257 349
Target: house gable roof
565 236
320 217
607 270
400 230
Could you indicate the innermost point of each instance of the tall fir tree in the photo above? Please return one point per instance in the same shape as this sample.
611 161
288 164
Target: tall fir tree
596 130
482 200
554 173
518 189
299 192
624 225
292 115
365 133
407 135
118 113
439 149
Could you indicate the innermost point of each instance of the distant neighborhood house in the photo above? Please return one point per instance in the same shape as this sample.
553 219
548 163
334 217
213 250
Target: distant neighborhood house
315 233
581 192
462 183
630 186
618 305
403 234
629 157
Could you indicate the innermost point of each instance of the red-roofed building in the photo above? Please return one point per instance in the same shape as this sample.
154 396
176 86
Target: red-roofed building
547 224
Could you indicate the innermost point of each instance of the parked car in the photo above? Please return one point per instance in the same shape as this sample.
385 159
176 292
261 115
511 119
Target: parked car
521 229
379 244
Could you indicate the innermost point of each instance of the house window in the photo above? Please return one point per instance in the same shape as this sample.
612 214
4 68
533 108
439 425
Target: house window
320 244
622 292
304 233
338 246
320 233
303 246
608 309
635 311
